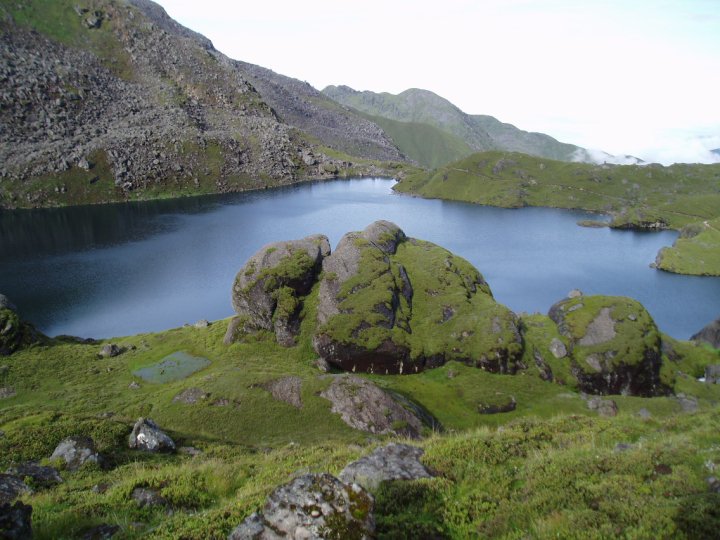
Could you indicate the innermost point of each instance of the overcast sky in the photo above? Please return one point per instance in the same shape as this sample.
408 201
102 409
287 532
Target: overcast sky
634 76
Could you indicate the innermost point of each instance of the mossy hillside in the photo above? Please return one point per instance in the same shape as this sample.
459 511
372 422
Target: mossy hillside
538 332
696 252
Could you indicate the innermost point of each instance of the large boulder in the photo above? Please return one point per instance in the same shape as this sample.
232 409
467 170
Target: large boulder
614 345
146 435
15 334
76 451
268 290
391 304
41 475
391 462
11 487
15 521
709 334
364 406
312 507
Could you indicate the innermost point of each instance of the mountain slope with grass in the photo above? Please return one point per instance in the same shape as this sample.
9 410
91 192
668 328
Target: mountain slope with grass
108 100
641 197
479 132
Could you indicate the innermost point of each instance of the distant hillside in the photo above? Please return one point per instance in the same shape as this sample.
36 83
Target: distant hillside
479 132
106 100
646 197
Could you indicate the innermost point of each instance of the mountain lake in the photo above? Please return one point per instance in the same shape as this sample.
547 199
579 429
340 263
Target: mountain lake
121 269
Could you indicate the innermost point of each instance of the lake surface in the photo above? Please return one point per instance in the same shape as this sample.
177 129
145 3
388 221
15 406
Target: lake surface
122 269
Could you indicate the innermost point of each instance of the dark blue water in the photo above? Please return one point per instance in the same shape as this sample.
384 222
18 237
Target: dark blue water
124 269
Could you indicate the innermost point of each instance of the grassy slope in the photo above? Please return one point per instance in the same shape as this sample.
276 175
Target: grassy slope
492 481
675 196
697 251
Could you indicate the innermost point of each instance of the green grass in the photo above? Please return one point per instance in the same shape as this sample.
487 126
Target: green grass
635 196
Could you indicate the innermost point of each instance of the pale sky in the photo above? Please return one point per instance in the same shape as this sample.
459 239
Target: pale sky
638 77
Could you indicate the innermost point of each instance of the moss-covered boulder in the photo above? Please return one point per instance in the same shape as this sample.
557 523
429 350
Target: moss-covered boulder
615 346
267 292
392 304
15 334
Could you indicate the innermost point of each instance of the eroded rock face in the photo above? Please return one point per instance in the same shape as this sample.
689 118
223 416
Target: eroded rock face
392 462
268 290
390 304
312 507
364 406
146 435
709 334
614 345
77 451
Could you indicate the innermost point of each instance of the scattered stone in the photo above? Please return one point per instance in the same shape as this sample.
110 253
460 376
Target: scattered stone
42 476
202 323
713 484
712 374
644 414
364 406
190 451
312 506
190 396
110 350
84 164
101 532
604 407
709 334
575 293
148 497
451 374
11 487
287 389
221 402
501 403
392 462
322 365
147 436
688 404
134 385
7 392
15 521
623 447
101 488
557 348
76 451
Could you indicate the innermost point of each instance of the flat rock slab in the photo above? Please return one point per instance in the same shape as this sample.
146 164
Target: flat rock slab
311 507
190 396
392 462
174 367
364 406
287 389
600 330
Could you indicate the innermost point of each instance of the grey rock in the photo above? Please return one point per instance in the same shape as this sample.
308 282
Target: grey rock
76 451
644 413
322 365
500 404
110 350
712 374
147 436
600 330
392 462
575 293
286 389
189 451
688 404
7 392
604 407
134 385
202 323
190 396
15 521
623 447
268 290
311 507
42 476
364 406
710 334
148 497
11 487
557 348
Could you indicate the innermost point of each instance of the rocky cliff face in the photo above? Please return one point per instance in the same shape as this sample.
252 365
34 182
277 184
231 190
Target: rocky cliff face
118 97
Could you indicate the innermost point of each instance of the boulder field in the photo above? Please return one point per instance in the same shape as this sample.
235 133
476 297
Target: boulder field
384 303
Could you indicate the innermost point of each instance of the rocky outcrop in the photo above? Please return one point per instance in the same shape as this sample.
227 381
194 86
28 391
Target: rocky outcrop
364 406
268 290
148 497
389 304
42 476
11 487
110 350
76 451
287 390
312 507
391 462
146 435
710 334
15 334
15 521
614 345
